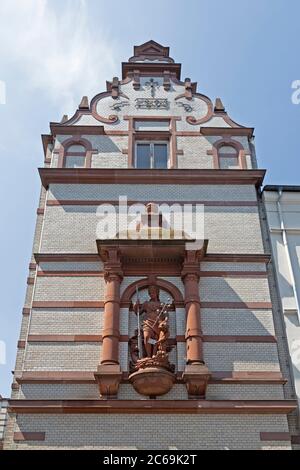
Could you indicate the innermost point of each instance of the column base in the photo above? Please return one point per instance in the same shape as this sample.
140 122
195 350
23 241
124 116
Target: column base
196 377
108 377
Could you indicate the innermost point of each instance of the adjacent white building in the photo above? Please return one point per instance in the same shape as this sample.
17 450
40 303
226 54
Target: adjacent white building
283 214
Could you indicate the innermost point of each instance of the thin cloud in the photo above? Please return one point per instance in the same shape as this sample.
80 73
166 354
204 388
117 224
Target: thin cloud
55 49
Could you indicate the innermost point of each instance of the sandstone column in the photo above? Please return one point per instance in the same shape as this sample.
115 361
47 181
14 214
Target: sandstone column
193 335
196 374
109 372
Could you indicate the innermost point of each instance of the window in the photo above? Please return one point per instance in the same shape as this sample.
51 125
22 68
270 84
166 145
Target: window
75 157
228 158
151 155
152 125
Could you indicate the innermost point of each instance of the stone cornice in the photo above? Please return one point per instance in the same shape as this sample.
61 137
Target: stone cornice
135 176
227 131
59 129
152 406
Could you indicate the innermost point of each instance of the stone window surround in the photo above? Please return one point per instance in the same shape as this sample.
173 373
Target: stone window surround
75 140
228 142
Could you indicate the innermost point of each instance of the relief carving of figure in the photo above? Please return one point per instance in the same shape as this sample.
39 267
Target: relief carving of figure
150 325
152 350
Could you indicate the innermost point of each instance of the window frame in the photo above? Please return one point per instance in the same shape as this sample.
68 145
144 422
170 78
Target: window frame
152 143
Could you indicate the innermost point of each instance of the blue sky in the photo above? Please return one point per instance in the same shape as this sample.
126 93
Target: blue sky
53 52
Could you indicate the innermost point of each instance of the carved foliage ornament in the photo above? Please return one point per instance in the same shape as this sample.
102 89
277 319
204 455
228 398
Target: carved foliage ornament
152 103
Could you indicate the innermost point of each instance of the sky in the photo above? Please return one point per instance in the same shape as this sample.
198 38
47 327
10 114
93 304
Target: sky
52 52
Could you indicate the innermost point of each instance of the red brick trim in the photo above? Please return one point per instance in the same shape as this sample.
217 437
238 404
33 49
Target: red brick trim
70 273
71 377
76 377
75 304
131 176
58 129
247 274
227 131
40 211
295 440
71 338
66 257
32 266
26 311
21 344
240 339
30 281
125 303
29 436
275 436
125 338
238 257
15 386
247 377
238 305
153 406
93 202
209 257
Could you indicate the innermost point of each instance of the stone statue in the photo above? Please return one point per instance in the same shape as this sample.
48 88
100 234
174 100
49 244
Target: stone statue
152 316
162 343
134 349
151 372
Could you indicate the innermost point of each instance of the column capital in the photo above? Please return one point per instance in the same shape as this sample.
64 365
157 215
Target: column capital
189 275
191 266
113 274
112 265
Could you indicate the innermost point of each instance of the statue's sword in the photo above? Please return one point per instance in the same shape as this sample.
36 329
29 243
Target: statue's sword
140 346
164 309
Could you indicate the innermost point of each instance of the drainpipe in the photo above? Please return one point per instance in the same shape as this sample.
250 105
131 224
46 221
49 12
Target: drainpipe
286 247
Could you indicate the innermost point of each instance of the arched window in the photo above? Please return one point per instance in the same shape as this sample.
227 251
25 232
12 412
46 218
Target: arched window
75 156
228 157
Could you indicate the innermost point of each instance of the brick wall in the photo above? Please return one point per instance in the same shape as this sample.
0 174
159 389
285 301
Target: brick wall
149 431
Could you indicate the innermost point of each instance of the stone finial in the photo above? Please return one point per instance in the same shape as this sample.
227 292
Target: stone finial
188 89
136 80
64 119
219 107
167 82
84 104
115 87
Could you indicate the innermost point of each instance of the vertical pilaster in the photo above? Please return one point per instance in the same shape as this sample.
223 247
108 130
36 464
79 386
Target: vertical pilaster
109 372
196 374
193 335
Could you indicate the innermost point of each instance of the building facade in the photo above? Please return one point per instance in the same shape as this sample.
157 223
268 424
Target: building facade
123 334
282 205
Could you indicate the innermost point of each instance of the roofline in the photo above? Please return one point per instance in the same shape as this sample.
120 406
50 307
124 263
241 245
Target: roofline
277 187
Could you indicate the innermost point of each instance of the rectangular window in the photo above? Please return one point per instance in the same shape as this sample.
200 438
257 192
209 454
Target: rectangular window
152 125
76 161
152 155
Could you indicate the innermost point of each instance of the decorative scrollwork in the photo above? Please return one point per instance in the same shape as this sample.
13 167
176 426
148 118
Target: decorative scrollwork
119 105
152 103
187 107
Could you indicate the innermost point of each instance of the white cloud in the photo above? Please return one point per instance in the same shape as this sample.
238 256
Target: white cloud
55 50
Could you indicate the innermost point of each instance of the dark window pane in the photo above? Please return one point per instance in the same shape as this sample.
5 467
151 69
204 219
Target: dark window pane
75 161
143 156
160 156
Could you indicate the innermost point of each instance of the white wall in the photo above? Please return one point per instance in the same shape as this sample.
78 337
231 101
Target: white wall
287 264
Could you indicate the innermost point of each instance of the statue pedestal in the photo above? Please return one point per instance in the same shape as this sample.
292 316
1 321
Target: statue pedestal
196 377
108 377
152 381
